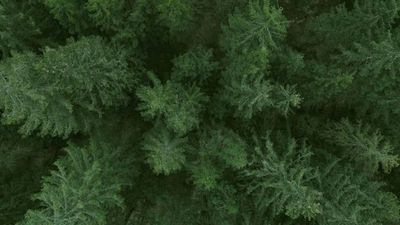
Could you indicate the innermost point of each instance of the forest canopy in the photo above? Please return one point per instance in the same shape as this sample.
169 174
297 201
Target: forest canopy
199 112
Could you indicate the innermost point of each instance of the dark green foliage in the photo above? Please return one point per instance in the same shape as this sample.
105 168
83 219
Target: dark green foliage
178 106
79 191
219 149
354 199
11 37
374 58
366 148
366 19
105 13
71 14
23 26
205 175
165 151
163 106
244 85
56 93
250 40
284 183
261 26
177 15
195 66
225 145
24 162
329 84
246 88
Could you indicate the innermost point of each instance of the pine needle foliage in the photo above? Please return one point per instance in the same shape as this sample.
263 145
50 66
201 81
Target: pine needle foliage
261 25
24 162
195 66
283 184
244 85
352 199
71 14
106 14
165 150
11 38
205 175
179 106
374 59
163 106
367 148
218 150
365 20
78 192
177 15
44 93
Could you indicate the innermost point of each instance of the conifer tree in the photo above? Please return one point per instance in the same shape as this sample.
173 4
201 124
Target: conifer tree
71 14
23 26
178 106
195 66
352 199
260 26
249 41
166 153
82 188
162 107
67 88
177 15
24 162
284 183
368 149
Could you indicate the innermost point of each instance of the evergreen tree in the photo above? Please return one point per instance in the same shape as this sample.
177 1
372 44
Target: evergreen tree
368 149
23 26
66 89
82 188
163 105
178 106
284 183
352 199
166 153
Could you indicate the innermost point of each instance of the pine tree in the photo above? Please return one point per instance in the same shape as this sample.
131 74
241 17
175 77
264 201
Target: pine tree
165 151
261 26
180 107
205 175
82 189
247 89
368 149
107 14
133 30
352 199
249 41
67 88
375 58
284 183
219 150
225 145
365 20
329 84
177 15
162 107
195 66
23 25
70 14
244 85
24 162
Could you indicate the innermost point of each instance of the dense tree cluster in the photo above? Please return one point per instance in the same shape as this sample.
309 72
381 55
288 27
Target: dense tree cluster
199 112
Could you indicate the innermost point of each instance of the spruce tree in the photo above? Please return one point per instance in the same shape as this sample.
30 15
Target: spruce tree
63 91
199 112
